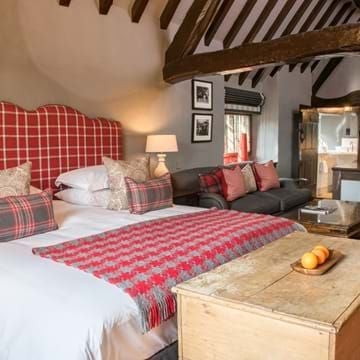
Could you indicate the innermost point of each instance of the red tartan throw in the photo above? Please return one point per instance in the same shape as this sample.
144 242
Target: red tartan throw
147 259
22 216
149 195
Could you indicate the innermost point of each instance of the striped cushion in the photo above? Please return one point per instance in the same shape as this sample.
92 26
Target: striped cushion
149 195
22 216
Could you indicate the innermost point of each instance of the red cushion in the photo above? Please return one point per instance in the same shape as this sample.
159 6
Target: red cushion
210 183
149 195
234 183
266 176
22 216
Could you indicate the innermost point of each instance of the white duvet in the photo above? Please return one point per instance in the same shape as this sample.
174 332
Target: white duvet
49 311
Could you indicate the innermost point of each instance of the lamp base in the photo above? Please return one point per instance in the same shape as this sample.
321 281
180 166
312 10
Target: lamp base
161 168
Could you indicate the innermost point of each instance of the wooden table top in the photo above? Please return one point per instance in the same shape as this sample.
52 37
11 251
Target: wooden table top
264 282
345 218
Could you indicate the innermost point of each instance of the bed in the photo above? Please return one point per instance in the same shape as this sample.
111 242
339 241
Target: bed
49 310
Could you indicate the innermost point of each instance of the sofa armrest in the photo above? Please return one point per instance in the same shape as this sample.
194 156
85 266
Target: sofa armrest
292 183
209 200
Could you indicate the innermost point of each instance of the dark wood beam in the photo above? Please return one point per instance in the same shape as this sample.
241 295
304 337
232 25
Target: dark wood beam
138 9
104 6
335 22
325 73
309 20
192 29
357 3
288 30
273 28
239 22
168 13
218 20
64 2
321 23
331 42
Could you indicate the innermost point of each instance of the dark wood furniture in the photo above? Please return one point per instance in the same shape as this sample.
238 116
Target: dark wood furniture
344 173
343 222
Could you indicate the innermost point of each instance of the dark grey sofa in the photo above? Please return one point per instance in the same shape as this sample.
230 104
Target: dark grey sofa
275 201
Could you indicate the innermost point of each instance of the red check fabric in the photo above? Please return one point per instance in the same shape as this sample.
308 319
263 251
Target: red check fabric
150 195
147 259
211 182
55 139
22 216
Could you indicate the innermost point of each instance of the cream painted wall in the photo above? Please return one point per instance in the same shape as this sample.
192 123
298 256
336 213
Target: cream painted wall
103 66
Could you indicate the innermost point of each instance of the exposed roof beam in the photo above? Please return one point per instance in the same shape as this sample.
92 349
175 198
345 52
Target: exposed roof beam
325 74
321 23
288 30
64 2
272 30
330 42
104 6
218 19
137 10
238 24
305 27
357 3
192 29
335 22
168 13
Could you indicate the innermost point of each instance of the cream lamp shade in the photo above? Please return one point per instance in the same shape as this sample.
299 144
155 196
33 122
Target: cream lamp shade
161 144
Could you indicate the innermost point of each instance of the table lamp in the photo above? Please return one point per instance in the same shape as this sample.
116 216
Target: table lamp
161 144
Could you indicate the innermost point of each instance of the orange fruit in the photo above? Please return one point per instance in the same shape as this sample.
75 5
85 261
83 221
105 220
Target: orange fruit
323 248
309 261
320 254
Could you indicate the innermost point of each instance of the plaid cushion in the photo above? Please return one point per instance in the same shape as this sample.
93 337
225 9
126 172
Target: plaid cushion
211 182
149 195
22 216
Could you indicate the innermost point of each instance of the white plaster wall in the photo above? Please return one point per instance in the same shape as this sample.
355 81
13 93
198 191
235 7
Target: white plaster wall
344 79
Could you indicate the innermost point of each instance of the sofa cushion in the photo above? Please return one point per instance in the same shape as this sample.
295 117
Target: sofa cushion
289 198
257 203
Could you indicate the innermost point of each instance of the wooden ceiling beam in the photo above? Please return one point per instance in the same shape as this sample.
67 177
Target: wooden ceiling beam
321 23
309 20
218 20
325 73
238 24
64 2
192 29
104 6
168 13
336 22
273 28
138 9
331 42
288 30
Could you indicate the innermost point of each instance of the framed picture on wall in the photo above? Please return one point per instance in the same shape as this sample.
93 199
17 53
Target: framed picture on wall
202 127
202 95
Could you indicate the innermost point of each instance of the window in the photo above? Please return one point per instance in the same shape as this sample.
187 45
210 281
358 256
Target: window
235 125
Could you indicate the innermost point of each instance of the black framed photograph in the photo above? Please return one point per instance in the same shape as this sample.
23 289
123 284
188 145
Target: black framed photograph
202 128
202 95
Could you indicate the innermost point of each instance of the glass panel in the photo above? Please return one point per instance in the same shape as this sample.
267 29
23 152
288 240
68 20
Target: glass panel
235 125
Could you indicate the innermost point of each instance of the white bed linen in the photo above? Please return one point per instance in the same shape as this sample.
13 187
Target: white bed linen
49 311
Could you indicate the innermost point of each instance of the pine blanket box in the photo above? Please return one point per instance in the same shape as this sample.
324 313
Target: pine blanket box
257 307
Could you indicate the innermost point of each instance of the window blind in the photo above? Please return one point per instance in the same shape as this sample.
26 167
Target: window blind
240 101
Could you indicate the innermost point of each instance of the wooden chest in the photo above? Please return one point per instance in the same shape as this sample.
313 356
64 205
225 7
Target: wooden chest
256 307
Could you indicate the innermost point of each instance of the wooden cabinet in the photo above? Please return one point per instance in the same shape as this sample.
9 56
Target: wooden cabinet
256 307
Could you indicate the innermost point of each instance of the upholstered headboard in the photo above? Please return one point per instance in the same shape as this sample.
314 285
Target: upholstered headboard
55 139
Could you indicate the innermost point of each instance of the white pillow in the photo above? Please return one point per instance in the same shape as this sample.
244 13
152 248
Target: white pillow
90 178
83 197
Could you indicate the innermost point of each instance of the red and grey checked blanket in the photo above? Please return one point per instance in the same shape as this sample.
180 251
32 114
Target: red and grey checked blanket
147 259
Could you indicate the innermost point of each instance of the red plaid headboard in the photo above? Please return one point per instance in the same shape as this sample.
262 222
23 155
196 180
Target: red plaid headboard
55 139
